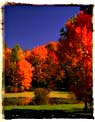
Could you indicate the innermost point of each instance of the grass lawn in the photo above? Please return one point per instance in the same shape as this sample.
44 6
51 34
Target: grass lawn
52 94
21 94
64 110
69 107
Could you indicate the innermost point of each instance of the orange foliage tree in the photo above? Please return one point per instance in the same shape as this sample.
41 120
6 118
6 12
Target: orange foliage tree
7 70
24 74
18 72
37 59
38 54
46 69
75 49
6 57
28 55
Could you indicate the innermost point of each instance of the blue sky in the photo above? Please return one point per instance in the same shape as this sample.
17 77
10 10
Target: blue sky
30 26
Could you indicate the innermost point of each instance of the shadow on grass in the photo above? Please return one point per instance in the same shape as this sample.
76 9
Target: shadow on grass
48 114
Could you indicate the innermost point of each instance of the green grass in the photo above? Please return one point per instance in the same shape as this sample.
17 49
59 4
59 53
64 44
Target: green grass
68 107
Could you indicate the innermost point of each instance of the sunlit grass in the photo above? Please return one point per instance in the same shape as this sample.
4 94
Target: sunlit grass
58 94
52 94
22 94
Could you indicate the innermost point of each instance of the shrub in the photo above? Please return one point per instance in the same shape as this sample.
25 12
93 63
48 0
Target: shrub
13 89
24 101
41 96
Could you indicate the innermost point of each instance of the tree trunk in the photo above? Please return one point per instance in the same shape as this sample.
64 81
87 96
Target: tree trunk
85 104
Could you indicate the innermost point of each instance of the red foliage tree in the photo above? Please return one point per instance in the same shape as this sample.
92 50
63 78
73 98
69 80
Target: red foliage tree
53 70
76 54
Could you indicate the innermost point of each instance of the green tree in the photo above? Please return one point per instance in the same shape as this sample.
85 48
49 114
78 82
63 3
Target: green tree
14 55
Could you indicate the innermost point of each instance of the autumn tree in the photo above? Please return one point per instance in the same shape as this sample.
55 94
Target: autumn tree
75 55
52 45
10 78
24 74
55 72
17 54
46 69
6 57
39 53
17 76
6 64
37 59
28 55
